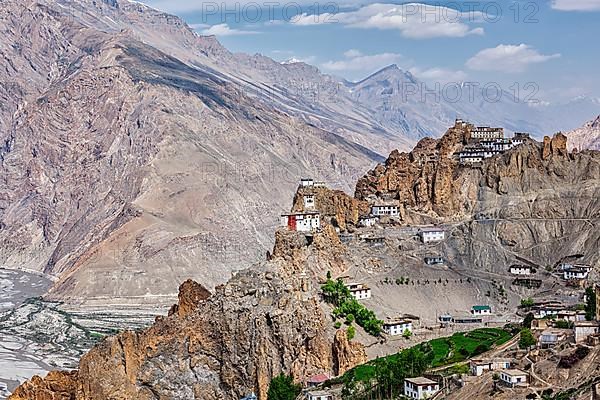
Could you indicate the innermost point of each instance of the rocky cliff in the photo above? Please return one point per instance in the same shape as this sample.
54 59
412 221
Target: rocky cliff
536 202
264 321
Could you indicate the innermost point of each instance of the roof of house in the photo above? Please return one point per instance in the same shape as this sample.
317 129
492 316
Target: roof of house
398 321
432 229
421 381
300 213
514 372
585 324
481 308
320 378
318 393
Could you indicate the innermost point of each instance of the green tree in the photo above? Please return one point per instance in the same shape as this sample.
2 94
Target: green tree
590 304
528 302
407 334
527 320
526 340
282 387
351 332
349 319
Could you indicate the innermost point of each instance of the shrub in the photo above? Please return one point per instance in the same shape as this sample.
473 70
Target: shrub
563 324
528 302
407 334
349 319
282 387
337 325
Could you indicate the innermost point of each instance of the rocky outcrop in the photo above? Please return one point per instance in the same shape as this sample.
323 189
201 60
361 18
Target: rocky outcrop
423 180
347 354
190 295
57 385
336 207
264 321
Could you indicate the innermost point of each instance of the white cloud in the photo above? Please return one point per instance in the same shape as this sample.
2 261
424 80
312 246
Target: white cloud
352 53
576 5
507 58
356 61
413 20
225 30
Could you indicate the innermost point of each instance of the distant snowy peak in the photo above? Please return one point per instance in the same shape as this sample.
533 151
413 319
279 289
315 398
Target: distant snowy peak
586 137
292 60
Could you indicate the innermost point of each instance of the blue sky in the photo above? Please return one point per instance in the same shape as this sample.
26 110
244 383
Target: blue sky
550 43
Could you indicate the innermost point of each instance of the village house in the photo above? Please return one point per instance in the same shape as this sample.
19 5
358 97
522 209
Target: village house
433 234
385 209
520 269
481 310
374 240
445 319
420 388
467 320
316 380
583 329
302 222
539 324
519 138
251 396
486 133
307 182
514 377
567 315
434 260
309 201
368 221
545 311
319 395
478 367
396 327
575 273
359 291
551 337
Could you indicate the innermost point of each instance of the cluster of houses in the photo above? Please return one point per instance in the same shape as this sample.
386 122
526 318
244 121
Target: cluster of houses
485 142
575 274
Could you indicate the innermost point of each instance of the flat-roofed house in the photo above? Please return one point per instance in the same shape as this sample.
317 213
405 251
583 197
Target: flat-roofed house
319 395
380 210
520 269
583 329
478 367
514 377
481 310
368 221
432 234
302 222
395 327
420 388
359 291
575 273
551 337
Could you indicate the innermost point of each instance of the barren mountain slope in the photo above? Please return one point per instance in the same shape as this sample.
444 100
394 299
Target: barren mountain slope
126 171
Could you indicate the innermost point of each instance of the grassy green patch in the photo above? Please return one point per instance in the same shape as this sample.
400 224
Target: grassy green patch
435 353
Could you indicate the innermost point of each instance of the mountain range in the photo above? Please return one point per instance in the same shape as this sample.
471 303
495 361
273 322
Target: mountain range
136 154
